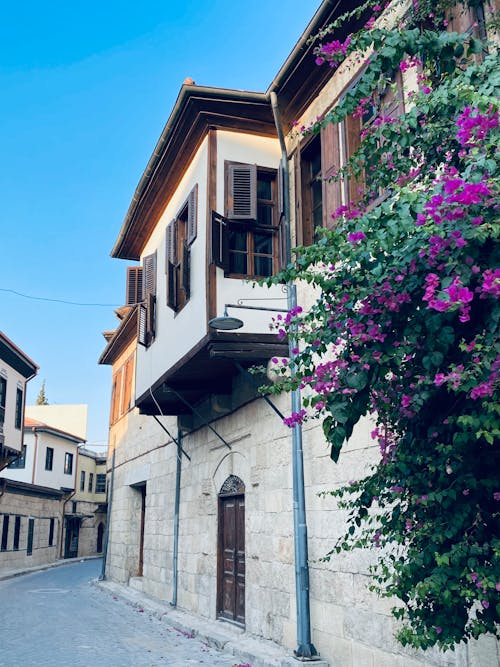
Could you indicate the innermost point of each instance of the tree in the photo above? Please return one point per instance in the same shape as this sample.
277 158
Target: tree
41 399
406 328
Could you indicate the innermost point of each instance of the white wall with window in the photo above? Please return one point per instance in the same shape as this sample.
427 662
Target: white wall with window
254 243
50 459
12 391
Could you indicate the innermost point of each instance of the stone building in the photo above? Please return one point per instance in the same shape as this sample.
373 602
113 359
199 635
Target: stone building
203 511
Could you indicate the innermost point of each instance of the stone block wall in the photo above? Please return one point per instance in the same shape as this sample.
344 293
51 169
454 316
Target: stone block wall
41 510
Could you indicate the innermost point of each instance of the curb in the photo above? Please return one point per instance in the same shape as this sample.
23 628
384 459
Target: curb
11 574
222 636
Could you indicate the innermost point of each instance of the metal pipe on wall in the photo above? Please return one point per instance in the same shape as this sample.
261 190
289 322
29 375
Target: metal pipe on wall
108 520
305 648
176 518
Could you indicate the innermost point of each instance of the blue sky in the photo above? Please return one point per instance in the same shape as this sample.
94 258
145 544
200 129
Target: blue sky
86 88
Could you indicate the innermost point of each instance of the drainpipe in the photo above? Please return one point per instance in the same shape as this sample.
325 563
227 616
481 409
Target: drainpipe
34 454
305 648
176 517
102 576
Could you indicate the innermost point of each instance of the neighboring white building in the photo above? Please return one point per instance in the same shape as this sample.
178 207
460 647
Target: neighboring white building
49 457
16 369
69 418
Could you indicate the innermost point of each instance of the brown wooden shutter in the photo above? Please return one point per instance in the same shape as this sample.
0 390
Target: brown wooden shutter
170 244
151 318
330 164
186 270
192 214
219 241
142 318
127 385
298 199
149 275
171 286
134 285
241 191
352 128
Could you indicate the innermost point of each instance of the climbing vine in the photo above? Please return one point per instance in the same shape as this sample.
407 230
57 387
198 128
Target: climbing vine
405 331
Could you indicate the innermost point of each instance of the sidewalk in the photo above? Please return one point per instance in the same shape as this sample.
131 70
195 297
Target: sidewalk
247 651
8 574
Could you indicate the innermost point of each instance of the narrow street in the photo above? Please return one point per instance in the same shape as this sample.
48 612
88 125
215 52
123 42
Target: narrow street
58 617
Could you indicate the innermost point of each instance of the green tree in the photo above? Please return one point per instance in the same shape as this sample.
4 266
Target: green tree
406 327
41 399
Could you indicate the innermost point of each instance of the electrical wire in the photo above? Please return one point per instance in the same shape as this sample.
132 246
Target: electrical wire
71 303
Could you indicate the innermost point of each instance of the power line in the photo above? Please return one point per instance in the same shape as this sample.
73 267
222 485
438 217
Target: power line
71 303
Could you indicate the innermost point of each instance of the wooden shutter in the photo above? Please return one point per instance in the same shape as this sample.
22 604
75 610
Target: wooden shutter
192 214
170 244
330 164
142 317
127 385
134 285
298 199
219 241
352 128
149 275
150 320
186 270
171 286
241 191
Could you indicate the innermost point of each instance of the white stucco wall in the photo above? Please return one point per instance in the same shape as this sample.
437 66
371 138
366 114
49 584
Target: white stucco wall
177 333
12 436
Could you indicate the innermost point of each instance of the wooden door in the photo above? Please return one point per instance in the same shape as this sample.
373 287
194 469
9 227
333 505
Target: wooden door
231 580
141 531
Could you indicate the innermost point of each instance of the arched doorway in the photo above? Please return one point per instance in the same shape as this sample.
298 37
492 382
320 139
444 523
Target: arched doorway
100 536
231 551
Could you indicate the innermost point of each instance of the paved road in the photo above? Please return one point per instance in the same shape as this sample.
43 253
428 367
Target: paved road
57 618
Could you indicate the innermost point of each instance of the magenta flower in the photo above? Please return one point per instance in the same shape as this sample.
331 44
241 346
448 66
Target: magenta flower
355 237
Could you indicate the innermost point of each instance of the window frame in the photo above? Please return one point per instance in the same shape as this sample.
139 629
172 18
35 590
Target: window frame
98 483
17 533
90 487
49 458
82 480
3 398
5 533
243 218
20 462
18 419
68 463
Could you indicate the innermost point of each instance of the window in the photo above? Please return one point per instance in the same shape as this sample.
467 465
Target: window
49 458
179 236
51 532
100 484
3 397
247 242
21 461
19 408
5 532
320 158
146 313
17 530
73 506
91 482
82 480
115 396
68 463
463 18
31 529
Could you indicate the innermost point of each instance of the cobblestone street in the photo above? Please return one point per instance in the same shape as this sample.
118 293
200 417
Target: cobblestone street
58 617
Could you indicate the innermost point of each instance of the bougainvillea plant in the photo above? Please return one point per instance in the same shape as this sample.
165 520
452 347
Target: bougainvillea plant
405 331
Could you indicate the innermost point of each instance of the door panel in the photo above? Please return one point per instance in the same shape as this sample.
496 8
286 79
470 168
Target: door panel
232 559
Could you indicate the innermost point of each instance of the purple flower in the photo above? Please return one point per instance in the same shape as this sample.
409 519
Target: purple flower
354 237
